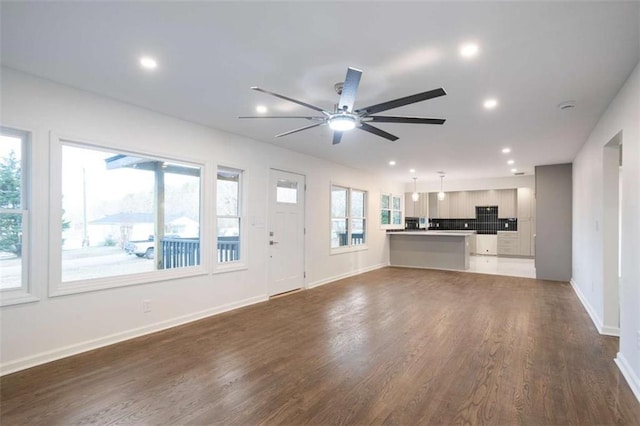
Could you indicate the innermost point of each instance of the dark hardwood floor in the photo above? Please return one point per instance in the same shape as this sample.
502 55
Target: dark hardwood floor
393 346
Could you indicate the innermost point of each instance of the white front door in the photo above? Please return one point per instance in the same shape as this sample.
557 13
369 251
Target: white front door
286 231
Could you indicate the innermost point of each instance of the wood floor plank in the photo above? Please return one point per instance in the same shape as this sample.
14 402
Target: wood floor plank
392 346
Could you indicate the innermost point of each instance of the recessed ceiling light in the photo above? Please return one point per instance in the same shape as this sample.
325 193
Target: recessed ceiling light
412 170
469 50
514 170
506 150
392 163
490 103
510 162
148 63
261 109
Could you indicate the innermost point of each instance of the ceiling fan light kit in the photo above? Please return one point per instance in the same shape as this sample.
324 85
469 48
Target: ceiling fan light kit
345 118
342 123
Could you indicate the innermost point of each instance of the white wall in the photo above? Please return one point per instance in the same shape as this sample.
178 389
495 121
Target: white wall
50 328
623 114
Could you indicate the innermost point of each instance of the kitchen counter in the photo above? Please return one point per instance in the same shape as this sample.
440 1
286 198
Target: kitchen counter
445 233
430 249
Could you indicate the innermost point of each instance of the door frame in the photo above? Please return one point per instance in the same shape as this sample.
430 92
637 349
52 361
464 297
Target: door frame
304 220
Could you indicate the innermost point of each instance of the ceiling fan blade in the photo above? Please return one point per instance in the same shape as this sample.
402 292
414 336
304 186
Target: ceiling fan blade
299 130
396 103
413 120
282 116
337 137
349 90
378 132
295 101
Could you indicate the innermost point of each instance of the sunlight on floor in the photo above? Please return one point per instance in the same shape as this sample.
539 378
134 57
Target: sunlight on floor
511 266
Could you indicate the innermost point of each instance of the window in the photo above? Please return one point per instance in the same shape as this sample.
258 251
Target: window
348 217
125 214
229 220
287 192
14 217
390 211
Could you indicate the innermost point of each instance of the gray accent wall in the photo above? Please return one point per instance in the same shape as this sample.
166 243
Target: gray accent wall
553 222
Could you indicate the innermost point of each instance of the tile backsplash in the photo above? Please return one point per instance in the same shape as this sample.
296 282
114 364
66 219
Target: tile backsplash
486 222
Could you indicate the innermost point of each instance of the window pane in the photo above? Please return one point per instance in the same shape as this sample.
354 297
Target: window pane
384 202
358 232
339 233
228 239
182 205
287 192
396 203
385 217
338 202
396 218
10 172
228 193
357 203
10 250
110 214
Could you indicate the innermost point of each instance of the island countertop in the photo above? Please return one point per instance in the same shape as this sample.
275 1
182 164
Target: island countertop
441 233
430 249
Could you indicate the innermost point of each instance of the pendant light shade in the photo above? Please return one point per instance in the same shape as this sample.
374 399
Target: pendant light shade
441 194
415 197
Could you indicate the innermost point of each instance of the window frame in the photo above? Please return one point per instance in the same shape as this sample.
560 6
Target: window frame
350 247
391 210
59 288
242 262
24 293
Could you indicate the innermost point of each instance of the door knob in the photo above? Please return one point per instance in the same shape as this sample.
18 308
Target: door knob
272 242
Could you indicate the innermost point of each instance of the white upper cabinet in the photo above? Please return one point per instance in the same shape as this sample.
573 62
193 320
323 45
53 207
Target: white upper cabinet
408 205
462 204
524 203
506 203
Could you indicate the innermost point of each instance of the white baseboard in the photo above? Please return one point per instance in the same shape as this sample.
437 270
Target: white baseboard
602 329
632 379
346 275
55 354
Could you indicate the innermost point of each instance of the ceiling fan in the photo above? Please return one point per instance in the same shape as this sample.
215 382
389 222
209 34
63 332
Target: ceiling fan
345 118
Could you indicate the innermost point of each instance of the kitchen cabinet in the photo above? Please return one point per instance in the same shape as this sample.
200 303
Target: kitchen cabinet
443 207
506 203
524 234
454 205
462 204
486 244
418 208
508 243
524 203
408 205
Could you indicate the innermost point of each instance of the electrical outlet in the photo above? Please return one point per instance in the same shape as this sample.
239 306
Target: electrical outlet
146 306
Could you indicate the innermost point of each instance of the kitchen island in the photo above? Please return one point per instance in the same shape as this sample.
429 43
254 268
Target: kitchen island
430 249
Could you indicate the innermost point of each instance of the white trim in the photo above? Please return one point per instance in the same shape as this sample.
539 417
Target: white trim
346 275
629 375
597 322
348 249
56 285
66 351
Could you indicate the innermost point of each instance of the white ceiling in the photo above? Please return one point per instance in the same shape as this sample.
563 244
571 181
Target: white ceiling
533 56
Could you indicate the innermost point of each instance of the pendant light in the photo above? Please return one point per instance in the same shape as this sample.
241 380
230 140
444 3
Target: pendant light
415 197
441 194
